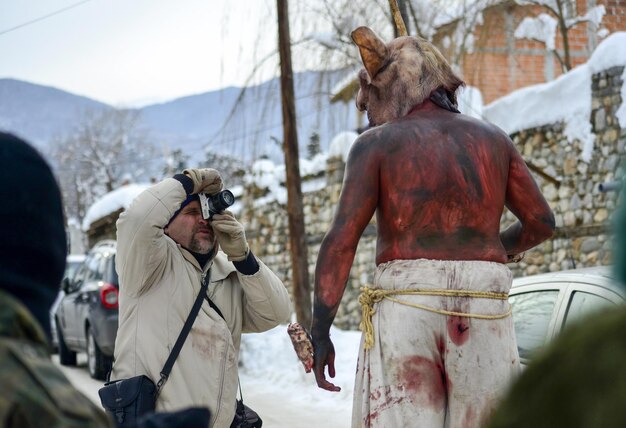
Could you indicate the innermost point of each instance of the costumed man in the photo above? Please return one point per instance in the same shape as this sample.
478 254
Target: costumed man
166 250
33 391
438 347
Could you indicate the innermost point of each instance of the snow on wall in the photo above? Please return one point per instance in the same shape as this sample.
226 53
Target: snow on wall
470 101
566 99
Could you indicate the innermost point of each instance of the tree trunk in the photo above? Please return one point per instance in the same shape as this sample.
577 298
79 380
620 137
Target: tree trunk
299 260
566 63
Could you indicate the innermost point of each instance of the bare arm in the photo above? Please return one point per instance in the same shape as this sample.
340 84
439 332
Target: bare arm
524 199
357 204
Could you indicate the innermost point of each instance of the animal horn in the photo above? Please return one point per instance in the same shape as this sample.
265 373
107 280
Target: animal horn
397 18
373 50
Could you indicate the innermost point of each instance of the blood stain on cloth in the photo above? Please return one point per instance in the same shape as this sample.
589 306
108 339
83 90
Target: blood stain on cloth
458 329
383 398
425 380
469 420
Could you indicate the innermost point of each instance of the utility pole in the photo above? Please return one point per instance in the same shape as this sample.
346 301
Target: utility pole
297 239
399 16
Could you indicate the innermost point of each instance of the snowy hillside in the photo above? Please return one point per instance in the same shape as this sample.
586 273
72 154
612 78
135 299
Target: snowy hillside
244 124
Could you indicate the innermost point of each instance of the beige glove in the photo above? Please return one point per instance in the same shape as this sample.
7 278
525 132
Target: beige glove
205 180
230 235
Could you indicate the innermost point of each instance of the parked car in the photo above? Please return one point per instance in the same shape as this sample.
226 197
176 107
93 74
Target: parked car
72 263
86 318
545 304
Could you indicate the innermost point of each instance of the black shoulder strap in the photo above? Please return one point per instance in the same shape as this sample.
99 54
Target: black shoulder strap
214 306
167 368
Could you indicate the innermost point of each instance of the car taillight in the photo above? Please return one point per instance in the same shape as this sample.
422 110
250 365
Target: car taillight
108 296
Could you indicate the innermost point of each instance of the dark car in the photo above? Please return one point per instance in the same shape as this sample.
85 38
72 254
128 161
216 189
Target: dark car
86 318
545 304
72 263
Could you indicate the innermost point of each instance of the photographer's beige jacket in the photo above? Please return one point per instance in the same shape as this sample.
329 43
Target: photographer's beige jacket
159 281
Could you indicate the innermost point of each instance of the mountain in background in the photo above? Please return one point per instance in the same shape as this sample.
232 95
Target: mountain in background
246 123
39 113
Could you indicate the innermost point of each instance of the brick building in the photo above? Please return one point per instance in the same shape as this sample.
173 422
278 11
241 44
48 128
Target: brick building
500 63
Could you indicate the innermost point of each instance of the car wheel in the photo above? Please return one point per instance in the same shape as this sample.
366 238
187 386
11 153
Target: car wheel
98 363
66 357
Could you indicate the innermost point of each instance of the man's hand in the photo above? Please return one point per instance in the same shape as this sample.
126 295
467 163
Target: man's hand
230 235
324 355
205 180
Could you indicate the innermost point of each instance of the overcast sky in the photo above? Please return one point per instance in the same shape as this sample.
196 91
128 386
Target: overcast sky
134 52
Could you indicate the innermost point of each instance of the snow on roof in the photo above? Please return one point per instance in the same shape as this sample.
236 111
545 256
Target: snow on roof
350 79
341 144
566 99
111 202
470 101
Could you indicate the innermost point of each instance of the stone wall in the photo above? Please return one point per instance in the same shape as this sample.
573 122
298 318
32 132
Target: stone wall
570 185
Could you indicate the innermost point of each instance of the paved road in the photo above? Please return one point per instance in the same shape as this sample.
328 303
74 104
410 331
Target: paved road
278 410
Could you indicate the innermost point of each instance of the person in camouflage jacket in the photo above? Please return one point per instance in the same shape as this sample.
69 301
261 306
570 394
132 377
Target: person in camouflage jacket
33 391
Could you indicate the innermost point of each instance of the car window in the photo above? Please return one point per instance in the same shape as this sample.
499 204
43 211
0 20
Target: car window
111 274
71 268
582 304
532 313
95 271
79 277
103 267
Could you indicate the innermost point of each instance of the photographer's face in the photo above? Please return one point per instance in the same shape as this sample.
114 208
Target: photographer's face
192 231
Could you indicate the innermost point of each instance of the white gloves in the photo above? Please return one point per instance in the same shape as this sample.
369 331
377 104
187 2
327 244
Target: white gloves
205 180
230 235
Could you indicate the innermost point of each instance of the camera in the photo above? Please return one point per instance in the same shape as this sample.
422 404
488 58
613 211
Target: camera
215 204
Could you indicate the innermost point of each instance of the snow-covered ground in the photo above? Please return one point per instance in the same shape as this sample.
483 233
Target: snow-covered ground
274 383
269 364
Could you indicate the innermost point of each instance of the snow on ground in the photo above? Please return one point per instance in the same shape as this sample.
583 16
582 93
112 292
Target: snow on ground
269 363
273 381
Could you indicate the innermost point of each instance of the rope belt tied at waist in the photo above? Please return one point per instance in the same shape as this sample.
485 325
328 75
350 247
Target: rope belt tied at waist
369 297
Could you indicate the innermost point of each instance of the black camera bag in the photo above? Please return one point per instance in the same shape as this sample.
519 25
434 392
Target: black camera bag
245 417
129 399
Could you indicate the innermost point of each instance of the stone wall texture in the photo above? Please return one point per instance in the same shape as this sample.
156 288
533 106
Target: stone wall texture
571 186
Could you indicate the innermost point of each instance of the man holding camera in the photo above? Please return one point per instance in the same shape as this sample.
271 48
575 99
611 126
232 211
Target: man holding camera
166 249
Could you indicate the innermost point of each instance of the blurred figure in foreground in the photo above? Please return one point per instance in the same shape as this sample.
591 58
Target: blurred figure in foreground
35 393
579 381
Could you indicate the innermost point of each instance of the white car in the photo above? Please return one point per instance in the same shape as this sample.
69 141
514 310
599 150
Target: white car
545 304
73 261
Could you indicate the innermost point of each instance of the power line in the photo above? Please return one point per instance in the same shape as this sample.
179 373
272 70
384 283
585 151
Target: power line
41 18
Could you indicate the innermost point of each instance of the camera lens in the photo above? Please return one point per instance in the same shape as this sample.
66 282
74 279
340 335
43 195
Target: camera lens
226 198
220 201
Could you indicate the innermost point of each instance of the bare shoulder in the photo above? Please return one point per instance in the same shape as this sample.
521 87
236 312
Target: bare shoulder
483 125
369 143
486 130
